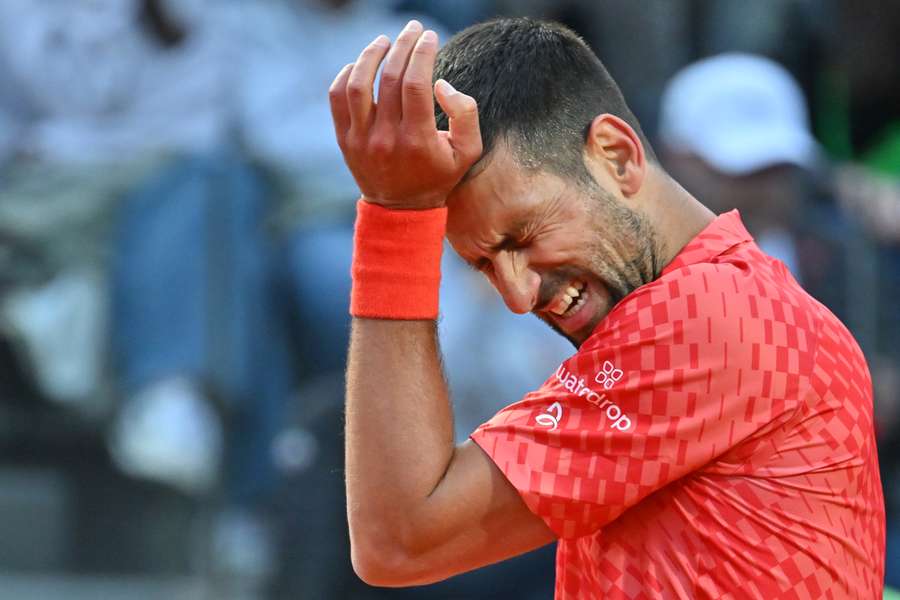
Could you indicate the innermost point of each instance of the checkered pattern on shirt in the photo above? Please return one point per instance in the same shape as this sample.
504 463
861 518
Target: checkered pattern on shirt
749 469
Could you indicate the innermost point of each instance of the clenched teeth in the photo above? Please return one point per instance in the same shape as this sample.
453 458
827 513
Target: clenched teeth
571 294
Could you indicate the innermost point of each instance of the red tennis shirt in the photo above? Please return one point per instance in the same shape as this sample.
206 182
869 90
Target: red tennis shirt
713 438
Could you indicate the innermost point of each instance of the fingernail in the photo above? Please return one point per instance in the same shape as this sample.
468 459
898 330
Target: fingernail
381 40
429 37
412 25
446 87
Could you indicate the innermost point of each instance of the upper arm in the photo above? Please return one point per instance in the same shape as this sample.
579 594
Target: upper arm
474 517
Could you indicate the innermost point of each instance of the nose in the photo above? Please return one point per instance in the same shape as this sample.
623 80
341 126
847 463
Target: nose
517 284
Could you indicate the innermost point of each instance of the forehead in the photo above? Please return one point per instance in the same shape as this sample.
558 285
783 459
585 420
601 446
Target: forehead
499 198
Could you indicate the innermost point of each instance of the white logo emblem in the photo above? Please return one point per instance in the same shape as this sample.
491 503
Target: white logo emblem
551 417
608 376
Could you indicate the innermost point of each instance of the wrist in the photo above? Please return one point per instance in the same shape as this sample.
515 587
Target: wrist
396 262
423 203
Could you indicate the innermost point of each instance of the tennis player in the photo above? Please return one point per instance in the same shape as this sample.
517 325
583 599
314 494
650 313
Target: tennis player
711 437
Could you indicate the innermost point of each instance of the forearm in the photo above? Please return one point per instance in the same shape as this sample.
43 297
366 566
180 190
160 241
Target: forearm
418 508
399 431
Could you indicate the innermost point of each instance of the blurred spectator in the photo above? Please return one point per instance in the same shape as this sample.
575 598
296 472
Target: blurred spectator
117 116
198 330
734 131
99 98
169 102
92 98
729 126
290 51
110 80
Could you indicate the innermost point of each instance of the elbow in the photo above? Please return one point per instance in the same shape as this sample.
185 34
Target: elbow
378 563
373 567
383 560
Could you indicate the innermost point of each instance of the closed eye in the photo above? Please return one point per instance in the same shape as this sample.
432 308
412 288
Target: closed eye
478 265
510 243
484 265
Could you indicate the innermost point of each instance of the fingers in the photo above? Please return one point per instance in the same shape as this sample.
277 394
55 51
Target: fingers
418 103
361 80
465 133
337 97
389 101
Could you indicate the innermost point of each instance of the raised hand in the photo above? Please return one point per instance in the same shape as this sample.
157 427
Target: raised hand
393 147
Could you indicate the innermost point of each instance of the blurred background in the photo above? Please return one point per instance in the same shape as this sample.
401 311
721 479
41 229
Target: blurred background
175 227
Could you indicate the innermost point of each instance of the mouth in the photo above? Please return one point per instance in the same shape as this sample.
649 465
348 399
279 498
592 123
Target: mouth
574 308
570 300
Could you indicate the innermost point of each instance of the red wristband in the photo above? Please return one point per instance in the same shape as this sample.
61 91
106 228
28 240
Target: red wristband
397 262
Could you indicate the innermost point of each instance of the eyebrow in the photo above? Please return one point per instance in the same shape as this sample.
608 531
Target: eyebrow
507 241
519 226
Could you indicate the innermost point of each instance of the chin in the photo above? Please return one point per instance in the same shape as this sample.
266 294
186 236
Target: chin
576 338
580 327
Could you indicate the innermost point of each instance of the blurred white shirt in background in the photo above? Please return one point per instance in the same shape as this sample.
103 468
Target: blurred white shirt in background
84 82
290 52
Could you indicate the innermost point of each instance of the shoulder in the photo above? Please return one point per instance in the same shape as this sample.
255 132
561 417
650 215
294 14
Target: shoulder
690 297
743 310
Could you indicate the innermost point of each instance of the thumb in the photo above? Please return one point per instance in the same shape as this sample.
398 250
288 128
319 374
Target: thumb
465 134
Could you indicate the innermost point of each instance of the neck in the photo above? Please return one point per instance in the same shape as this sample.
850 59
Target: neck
675 214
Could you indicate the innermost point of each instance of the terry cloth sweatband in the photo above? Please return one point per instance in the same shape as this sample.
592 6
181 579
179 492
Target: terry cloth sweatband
397 262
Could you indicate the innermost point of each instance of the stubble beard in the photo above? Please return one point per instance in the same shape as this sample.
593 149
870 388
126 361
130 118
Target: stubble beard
623 256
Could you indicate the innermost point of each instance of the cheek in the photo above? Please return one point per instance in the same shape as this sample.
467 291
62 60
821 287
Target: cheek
560 251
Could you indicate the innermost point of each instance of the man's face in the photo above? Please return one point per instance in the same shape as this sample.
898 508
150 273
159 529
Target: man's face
566 253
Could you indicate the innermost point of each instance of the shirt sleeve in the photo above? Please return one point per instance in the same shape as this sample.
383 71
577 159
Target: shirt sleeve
678 374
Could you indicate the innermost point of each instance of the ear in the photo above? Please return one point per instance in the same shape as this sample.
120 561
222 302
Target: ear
617 149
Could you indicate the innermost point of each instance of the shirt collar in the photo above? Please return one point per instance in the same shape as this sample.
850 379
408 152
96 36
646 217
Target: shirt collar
724 232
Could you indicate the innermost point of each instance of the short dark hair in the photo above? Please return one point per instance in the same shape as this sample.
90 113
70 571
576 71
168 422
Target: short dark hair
538 86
